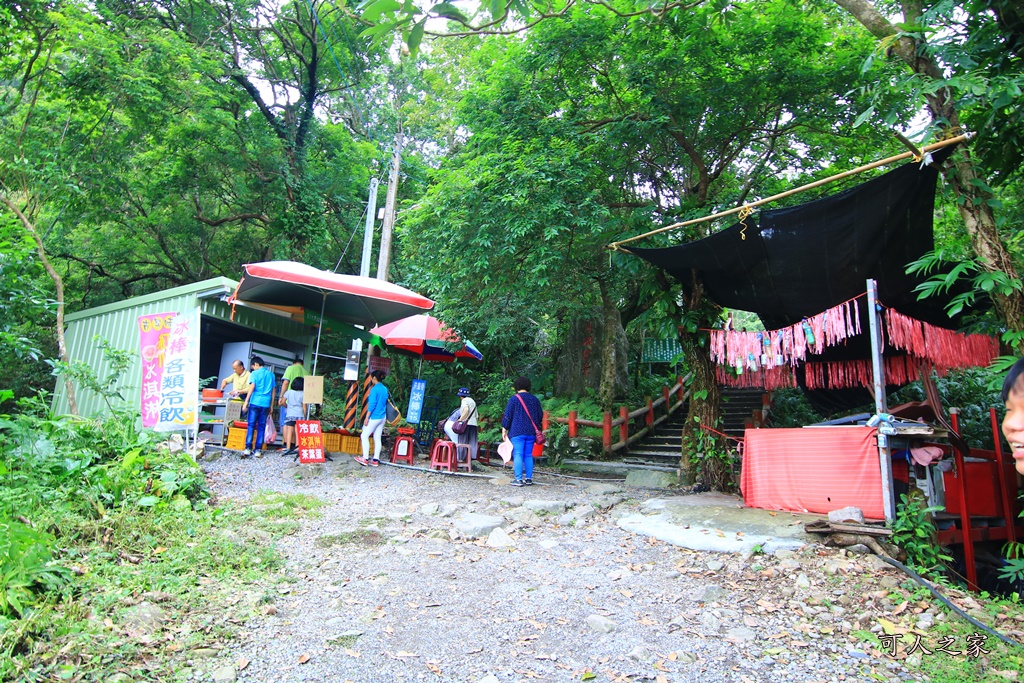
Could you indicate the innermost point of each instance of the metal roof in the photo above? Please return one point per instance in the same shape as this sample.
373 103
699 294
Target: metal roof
117 323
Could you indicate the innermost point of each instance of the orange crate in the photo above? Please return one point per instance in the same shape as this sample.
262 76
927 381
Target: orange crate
236 439
351 444
332 442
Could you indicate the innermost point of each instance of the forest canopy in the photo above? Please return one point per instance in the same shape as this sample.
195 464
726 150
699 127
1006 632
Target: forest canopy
151 143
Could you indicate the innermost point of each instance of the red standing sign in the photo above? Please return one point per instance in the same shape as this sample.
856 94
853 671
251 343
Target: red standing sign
311 441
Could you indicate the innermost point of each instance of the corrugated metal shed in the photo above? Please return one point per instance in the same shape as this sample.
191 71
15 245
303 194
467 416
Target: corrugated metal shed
118 324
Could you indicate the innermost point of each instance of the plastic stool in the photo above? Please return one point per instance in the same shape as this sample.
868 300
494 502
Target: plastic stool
443 456
483 453
406 444
464 449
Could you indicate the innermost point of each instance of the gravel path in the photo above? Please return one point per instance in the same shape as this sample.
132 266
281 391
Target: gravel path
383 587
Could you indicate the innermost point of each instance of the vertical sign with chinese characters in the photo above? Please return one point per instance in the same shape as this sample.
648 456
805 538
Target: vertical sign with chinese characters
416 396
311 441
154 332
179 384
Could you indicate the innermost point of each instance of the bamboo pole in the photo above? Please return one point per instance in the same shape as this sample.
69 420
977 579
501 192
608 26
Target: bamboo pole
616 246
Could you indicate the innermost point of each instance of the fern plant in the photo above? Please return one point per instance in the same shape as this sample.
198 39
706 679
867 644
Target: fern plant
26 567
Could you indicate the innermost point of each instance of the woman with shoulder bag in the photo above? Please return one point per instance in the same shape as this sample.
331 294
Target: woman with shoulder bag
521 425
462 426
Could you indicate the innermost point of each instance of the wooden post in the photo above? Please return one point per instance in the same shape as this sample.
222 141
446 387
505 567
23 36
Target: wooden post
682 389
545 421
606 433
649 418
665 394
624 427
574 429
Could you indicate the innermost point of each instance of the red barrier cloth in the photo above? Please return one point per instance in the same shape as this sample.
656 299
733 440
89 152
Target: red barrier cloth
812 470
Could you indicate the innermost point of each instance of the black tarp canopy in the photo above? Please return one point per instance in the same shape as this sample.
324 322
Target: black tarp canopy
795 262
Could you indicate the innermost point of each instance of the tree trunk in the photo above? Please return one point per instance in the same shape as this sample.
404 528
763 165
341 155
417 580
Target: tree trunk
974 209
62 348
606 390
705 406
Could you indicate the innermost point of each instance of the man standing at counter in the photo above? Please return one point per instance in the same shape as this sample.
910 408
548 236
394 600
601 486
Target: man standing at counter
257 403
239 381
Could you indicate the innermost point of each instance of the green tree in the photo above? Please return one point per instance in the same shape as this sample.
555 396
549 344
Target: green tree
589 129
964 60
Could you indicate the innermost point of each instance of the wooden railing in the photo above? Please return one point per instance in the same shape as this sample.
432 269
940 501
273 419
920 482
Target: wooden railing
664 405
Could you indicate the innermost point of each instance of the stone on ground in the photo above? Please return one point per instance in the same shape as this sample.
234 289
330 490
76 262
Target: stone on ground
499 539
523 515
601 624
473 525
652 479
545 507
847 514
225 674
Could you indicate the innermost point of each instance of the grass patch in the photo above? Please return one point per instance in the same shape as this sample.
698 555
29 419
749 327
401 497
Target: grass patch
96 519
955 634
202 585
374 521
362 537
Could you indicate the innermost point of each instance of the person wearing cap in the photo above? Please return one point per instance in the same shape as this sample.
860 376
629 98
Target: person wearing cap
467 412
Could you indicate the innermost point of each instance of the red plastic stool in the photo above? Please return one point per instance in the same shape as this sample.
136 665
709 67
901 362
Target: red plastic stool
483 453
404 450
464 449
443 456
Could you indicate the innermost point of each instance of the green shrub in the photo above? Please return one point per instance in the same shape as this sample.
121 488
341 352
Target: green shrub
26 567
914 532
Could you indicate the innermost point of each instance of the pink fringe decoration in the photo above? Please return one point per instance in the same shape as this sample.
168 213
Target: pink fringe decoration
788 346
945 349
770 365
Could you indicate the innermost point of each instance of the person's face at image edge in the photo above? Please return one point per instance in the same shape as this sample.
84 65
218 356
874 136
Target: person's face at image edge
1013 423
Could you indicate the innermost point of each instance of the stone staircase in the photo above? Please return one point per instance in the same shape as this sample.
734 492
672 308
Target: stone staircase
662 447
740 406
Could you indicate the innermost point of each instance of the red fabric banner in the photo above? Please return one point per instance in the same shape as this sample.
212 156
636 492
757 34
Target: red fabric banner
815 469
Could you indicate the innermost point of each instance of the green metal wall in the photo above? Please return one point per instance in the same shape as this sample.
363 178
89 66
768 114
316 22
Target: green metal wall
118 324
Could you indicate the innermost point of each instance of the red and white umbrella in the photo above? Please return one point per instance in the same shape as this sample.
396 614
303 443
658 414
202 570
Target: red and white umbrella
427 337
346 298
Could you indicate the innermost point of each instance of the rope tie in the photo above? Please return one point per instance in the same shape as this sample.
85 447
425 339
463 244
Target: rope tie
744 215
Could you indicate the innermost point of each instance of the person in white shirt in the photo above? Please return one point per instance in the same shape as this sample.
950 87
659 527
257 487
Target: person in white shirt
467 412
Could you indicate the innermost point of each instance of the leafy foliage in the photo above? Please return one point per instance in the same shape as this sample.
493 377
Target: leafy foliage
914 532
26 567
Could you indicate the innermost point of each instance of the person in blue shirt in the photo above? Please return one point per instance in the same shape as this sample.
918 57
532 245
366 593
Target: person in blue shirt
376 415
519 424
257 405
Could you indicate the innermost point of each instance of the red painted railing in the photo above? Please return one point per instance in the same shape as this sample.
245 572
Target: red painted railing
664 405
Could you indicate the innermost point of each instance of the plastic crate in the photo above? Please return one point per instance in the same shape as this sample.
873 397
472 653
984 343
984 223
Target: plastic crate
236 439
350 444
332 442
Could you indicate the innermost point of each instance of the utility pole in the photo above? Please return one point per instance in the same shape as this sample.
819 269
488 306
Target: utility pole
371 212
384 259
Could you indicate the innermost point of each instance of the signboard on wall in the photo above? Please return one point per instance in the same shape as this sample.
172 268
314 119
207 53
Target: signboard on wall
311 441
154 331
416 397
179 382
378 363
660 350
313 389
